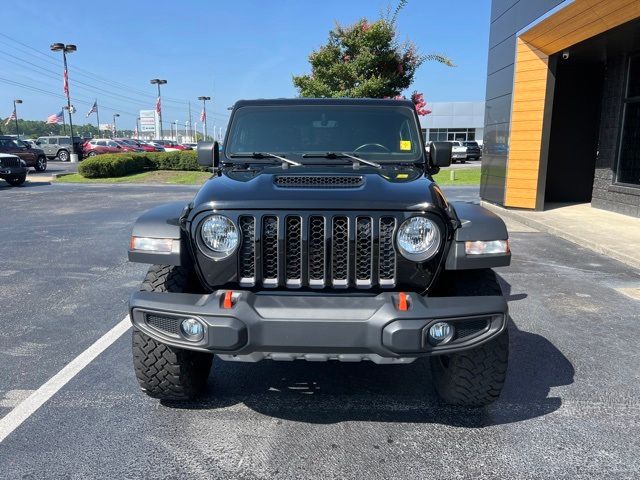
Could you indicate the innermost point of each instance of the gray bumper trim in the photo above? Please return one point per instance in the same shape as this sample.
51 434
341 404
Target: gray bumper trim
313 323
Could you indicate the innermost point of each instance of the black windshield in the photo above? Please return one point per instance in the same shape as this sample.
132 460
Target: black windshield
383 133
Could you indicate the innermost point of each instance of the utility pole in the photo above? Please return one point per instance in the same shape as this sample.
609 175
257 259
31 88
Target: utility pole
138 128
190 124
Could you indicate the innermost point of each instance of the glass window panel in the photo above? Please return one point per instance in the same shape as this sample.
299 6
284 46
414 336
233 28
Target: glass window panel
633 89
629 163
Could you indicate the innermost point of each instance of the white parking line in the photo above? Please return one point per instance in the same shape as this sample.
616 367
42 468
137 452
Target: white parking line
33 402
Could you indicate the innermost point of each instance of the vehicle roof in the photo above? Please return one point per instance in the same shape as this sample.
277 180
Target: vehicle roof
325 101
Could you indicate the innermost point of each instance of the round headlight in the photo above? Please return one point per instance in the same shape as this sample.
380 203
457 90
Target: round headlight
418 239
220 234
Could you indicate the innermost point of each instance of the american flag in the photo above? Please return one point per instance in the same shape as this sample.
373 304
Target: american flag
94 108
55 118
11 117
203 115
158 107
65 82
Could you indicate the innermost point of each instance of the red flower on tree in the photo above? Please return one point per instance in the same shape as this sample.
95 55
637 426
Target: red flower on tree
421 105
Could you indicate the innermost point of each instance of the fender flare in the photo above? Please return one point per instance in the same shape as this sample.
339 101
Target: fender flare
476 223
162 221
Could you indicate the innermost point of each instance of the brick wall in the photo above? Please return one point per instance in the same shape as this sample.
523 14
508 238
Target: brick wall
606 195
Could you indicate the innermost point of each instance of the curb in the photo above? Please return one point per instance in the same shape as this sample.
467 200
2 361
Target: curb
581 241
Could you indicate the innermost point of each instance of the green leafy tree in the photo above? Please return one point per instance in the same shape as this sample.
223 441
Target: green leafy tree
364 60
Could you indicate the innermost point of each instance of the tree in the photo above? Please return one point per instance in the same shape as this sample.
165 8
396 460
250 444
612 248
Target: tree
364 60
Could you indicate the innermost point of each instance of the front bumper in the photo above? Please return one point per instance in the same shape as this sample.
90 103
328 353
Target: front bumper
317 327
12 171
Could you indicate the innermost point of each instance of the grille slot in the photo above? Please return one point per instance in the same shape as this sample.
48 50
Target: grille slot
319 181
387 254
293 247
247 257
270 251
317 251
340 252
364 251
467 329
166 324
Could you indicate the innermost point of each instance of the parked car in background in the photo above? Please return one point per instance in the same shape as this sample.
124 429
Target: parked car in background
141 145
56 146
192 146
98 146
13 169
33 157
473 150
458 152
170 145
126 146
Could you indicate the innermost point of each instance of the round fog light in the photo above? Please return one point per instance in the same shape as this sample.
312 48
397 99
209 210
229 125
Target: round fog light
440 333
192 329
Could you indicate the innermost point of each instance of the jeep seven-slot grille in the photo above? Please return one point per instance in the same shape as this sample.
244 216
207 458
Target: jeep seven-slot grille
341 251
9 162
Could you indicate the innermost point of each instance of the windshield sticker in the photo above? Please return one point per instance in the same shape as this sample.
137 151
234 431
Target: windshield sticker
405 145
402 176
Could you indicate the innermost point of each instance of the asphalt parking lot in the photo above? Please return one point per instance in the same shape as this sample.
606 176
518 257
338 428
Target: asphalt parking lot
570 408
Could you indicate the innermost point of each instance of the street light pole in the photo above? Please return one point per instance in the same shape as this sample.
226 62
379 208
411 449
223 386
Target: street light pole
15 115
115 129
57 47
138 128
157 81
204 114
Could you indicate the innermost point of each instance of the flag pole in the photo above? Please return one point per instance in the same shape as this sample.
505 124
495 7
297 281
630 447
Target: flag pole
98 117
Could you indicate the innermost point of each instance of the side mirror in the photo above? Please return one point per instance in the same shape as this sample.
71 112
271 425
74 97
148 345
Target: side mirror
209 154
38 143
440 154
118 146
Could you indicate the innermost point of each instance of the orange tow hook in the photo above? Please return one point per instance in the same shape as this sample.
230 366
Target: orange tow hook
403 304
227 302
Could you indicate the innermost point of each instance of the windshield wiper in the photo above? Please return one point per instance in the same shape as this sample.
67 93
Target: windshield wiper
261 155
334 155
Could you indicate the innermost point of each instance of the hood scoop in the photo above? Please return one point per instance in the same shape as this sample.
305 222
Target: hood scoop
318 181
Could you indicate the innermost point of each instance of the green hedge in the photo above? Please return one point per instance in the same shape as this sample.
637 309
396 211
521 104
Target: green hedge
121 164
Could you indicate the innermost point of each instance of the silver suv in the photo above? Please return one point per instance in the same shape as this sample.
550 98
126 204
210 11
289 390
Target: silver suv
59 146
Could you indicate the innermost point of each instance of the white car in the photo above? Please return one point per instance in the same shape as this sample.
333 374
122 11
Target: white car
458 152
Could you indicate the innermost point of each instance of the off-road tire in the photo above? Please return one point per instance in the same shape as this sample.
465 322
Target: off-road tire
63 156
472 378
41 164
17 180
166 372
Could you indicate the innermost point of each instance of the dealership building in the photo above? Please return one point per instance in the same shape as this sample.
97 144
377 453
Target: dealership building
453 121
562 114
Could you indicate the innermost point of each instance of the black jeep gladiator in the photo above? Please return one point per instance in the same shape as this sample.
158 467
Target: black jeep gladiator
321 236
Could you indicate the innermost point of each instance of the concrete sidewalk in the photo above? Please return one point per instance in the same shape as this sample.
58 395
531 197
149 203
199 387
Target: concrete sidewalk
608 233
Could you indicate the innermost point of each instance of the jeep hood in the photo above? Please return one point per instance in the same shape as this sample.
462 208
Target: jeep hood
389 188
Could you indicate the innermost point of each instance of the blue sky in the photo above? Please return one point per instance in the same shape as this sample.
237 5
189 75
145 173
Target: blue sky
226 50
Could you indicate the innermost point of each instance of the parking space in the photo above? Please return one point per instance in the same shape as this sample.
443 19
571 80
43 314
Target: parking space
570 407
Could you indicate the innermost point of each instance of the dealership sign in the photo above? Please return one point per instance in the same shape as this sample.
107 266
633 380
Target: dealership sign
148 120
